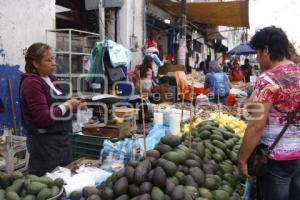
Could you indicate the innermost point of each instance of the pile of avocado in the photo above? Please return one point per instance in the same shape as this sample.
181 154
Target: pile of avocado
30 187
173 172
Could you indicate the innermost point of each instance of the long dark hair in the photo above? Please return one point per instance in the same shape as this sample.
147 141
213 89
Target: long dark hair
147 64
34 53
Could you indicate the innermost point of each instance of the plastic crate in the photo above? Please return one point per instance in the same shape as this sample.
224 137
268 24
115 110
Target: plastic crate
89 146
86 146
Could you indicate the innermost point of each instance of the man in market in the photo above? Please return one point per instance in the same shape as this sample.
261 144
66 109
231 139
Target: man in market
247 70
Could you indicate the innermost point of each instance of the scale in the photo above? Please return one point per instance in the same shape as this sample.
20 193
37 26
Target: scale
103 116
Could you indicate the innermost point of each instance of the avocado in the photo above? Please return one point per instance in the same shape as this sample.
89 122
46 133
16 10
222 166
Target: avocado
180 177
198 175
140 174
189 181
107 194
16 186
17 175
159 177
129 173
12 196
192 191
23 193
133 163
35 187
200 149
174 180
217 157
192 163
157 194
204 192
44 194
170 186
150 174
211 183
146 187
46 180
144 197
173 157
163 148
169 167
89 191
171 140
220 195
167 197
178 193
133 190
5 180
29 197
123 197
54 191
153 153
59 182
2 194
121 187
209 168
75 195
227 188
153 161
94 197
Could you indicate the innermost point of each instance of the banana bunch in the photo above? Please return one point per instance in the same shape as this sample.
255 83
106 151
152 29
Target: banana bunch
186 127
225 120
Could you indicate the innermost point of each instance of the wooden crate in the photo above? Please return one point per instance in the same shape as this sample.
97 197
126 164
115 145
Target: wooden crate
110 131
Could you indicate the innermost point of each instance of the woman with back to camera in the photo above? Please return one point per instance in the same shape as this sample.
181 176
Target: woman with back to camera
276 93
217 82
43 108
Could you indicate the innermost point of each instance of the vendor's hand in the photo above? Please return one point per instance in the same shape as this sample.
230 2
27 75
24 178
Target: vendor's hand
82 105
243 168
72 104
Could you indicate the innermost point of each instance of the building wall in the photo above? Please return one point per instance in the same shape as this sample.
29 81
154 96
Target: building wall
233 37
23 23
131 28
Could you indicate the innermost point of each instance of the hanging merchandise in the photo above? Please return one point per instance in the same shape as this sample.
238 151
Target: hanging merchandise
119 57
118 54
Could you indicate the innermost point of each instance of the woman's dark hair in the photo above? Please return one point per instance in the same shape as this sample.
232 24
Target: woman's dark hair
34 53
147 64
274 39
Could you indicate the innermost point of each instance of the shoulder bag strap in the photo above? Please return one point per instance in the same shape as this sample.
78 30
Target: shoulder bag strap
290 118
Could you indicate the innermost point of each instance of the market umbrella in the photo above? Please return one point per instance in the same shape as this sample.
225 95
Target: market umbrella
242 49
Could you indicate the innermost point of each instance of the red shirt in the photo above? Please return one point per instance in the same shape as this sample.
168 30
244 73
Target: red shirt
237 75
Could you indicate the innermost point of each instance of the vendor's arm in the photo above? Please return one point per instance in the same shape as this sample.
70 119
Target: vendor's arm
35 97
259 114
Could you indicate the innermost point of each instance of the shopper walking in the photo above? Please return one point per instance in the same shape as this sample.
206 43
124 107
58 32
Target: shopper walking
276 93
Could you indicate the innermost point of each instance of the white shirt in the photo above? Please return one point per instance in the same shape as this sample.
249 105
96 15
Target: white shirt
51 85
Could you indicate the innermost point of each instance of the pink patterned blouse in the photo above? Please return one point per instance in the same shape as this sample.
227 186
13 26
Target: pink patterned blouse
281 87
